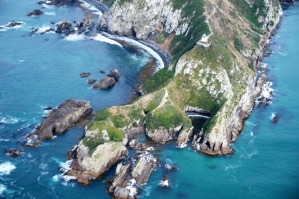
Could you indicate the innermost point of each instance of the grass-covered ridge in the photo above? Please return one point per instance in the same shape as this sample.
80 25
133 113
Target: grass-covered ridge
192 11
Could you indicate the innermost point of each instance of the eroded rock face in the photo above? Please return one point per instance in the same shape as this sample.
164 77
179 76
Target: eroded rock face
87 166
131 175
162 135
60 119
143 21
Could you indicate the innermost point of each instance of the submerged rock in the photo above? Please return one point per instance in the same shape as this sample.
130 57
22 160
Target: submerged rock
84 74
91 81
35 12
105 83
164 183
274 118
60 119
128 177
13 24
13 152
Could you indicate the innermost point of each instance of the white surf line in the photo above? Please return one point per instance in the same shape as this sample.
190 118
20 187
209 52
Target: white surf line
91 8
140 45
109 38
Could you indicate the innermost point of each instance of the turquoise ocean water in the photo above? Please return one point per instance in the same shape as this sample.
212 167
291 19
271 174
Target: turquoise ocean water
43 70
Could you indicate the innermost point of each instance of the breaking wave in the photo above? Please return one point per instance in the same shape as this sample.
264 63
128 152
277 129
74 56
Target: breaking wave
6 168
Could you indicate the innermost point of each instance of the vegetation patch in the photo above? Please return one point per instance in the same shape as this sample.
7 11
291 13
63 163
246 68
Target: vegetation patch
168 116
154 103
120 121
158 80
102 115
193 11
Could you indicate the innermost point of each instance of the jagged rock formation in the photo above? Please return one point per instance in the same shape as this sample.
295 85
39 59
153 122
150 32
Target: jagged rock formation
131 175
59 120
85 167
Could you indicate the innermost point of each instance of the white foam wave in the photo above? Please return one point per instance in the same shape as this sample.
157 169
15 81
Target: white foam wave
44 29
142 46
66 165
50 13
6 168
4 140
75 37
102 38
8 119
2 189
6 26
91 8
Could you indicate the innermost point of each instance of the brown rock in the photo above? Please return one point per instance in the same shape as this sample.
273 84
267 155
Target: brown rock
105 83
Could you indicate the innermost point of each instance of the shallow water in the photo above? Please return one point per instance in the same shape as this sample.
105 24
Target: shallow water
43 70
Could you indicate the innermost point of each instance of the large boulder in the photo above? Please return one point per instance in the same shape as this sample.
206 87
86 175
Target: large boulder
60 119
128 177
86 166
115 74
105 83
61 2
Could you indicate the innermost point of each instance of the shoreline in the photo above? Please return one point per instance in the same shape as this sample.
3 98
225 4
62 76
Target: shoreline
149 46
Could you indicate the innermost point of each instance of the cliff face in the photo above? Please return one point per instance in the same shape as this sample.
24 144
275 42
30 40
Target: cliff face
143 18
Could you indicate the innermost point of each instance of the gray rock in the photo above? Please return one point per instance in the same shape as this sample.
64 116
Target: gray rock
60 119
91 81
35 12
84 74
105 83
88 166
115 74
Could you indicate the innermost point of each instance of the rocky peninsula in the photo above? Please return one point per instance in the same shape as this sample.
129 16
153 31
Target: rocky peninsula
216 49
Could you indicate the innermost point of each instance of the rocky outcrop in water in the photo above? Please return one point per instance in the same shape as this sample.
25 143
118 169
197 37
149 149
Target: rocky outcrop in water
59 120
88 165
35 12
64 27
84 74
13 152
104 83
109 81
128 177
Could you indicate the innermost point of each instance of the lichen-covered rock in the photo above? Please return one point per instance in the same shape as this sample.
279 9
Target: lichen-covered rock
128 177
86 166
60 119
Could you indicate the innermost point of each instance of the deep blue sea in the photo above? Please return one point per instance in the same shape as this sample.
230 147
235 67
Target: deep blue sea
43 70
